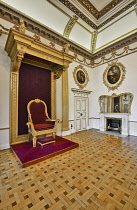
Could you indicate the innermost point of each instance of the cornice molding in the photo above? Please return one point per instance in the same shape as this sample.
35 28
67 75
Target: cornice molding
98 14
117 14
14 17
116 46
95 12
78 13
54 38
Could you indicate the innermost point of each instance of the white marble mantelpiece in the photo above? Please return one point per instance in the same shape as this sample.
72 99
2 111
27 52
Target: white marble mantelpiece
123 116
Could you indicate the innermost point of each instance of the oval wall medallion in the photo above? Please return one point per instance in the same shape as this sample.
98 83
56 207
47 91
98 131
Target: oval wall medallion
80 76
114 75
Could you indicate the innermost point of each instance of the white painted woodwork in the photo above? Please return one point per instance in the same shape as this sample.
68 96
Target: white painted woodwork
81 113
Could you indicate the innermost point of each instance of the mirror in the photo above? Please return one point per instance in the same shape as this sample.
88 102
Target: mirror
116 103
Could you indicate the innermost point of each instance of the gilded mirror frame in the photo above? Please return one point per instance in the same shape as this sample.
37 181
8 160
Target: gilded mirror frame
124 95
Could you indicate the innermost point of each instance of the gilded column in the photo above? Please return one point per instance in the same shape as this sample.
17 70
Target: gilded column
53 97
65 101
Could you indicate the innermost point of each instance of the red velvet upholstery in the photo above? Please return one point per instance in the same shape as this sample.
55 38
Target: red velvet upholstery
37 111
39 121
44 126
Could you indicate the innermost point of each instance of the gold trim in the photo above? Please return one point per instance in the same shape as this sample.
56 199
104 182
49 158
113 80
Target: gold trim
119 67
117 95
93 41
3 32
68 15
69 26
35 63
65 101
86 3
11 15
85 78
4 129
98 14
16 46
53 96
116 40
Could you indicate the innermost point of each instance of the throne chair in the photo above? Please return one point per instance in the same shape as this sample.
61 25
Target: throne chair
39 123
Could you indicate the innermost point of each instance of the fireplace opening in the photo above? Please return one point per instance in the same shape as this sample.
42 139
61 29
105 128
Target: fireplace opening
114 124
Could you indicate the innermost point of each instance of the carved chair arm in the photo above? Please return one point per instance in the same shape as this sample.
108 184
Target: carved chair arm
30 126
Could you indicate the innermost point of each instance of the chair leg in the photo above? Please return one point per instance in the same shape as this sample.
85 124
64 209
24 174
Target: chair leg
34 141
53 135
29 135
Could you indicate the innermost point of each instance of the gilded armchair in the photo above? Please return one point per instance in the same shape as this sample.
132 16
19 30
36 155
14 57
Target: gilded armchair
39 122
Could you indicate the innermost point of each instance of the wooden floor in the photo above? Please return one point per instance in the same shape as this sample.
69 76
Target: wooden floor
100 174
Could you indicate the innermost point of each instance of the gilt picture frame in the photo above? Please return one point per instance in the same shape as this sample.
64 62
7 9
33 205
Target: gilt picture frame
114 75
81 77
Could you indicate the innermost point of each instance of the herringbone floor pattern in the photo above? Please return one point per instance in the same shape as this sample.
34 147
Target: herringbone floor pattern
100 174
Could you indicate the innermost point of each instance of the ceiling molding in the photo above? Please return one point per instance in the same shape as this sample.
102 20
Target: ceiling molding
97 14
78 13
13 16
116 46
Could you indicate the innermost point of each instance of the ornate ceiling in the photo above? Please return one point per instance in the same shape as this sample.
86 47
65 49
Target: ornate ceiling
97 13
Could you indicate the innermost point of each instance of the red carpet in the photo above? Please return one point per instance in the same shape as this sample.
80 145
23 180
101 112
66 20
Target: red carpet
28 155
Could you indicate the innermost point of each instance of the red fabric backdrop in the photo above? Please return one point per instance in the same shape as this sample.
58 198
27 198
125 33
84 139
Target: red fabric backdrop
34 82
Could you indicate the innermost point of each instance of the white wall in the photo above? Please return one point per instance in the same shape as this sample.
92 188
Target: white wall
41 11
128 85
4 94
81 36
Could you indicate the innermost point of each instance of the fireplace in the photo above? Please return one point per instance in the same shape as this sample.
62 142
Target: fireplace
115 121
113 124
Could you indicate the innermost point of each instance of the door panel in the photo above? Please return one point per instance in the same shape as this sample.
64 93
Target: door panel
81 113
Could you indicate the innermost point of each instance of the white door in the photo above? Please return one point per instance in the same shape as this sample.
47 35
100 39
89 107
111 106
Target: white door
81 113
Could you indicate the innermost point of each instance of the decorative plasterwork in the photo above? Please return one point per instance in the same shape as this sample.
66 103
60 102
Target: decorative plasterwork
117 13
6 30
93 43
81 76
78 13
21 27
114 75
14 17
94 12
69 26
107 55
97 14
79 92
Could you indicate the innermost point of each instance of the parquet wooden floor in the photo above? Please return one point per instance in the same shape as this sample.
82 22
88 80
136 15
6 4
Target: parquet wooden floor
100 174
